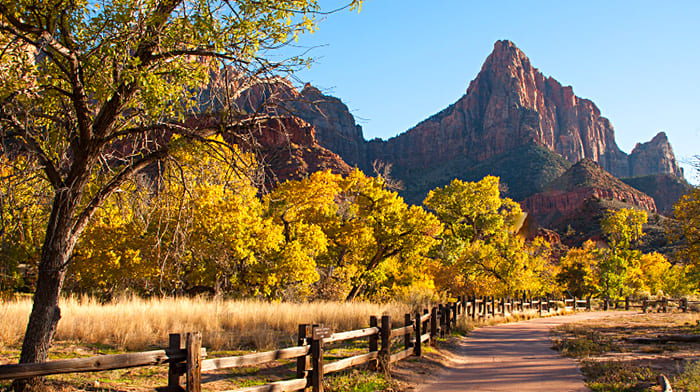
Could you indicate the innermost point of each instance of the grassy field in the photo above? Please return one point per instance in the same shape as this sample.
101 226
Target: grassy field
135 324
89 328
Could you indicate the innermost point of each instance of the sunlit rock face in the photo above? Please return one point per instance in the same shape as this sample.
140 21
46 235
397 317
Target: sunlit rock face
654 157
509 104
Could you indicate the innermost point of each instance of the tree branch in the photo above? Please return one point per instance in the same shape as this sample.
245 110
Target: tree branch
115 183
33 146
125 90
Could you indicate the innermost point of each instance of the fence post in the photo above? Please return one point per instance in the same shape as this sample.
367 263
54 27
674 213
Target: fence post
448 317
606 303
474 305
194 362
433 326
175 369
455 314
627 303
417 346
493 306
665 305
441 309
589 306
316 362
575 307
644 305
385 351
303 363
684 304
426 324
407 337
373 343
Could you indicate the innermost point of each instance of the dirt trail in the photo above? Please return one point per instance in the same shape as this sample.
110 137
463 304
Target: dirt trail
513 357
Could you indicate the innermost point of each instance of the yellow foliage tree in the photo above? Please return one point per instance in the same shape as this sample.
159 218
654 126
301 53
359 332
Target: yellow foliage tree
24 208
201 227
366 241
685 231
479 252
578 270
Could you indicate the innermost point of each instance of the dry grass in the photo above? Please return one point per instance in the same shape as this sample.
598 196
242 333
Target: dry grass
138 324
610 361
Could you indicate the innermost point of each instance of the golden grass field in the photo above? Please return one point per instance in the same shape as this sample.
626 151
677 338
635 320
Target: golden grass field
135 324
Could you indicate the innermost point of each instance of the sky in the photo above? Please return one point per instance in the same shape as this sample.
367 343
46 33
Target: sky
397 62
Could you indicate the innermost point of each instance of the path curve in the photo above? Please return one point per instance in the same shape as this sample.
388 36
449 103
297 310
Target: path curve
513 357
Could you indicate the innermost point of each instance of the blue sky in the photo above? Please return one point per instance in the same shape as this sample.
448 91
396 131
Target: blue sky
398 62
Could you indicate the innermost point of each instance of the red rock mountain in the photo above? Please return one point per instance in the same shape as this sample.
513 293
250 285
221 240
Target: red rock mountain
654 157
288 150
509 105
567 195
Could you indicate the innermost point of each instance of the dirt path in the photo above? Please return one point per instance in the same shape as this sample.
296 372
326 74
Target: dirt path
513 357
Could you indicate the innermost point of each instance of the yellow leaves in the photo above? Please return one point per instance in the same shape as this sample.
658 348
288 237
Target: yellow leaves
685 232
652 272
479 240
623 227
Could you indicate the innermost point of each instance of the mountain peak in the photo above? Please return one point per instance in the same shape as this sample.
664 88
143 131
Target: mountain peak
505 46
654 157
506 55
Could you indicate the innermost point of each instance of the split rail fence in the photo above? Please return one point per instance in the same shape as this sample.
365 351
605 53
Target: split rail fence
186 357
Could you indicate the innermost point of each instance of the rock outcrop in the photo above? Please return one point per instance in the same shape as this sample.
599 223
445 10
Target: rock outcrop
654 157
335 126
585 181
664 188
288 150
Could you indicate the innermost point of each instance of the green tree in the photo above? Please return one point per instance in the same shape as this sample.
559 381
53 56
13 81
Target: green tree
97 87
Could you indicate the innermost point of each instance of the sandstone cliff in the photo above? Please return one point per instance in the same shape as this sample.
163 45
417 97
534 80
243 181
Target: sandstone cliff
654 157
287 149
585 181
509 105
664 188
335 126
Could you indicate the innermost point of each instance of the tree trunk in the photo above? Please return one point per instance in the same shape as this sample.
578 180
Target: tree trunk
355 290
56 251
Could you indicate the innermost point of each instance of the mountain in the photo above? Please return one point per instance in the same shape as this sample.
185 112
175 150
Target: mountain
288 150
574 204
566 195
509 113
666 189
654 157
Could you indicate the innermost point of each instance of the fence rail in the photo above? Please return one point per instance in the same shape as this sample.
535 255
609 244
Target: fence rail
185 356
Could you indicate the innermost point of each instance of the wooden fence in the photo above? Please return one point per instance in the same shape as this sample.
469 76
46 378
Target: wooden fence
644 304
186 357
